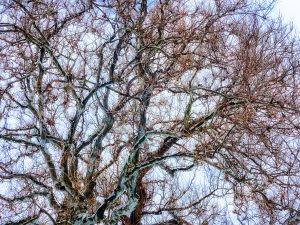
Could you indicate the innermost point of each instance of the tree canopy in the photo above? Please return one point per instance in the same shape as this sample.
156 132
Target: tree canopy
148 112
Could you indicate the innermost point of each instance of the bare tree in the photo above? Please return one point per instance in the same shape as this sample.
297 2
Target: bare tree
148 112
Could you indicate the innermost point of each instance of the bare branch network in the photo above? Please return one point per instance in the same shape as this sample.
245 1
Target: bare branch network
148 112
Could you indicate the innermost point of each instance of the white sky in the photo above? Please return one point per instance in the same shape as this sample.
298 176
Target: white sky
290 11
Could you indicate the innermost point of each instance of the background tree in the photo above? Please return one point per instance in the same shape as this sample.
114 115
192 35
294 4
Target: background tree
148 112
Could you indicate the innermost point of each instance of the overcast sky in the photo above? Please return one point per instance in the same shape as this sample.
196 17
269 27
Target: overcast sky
290 10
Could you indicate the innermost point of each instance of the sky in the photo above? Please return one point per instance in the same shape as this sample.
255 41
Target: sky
290 11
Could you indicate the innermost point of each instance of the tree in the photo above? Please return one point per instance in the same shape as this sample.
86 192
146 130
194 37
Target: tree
148 112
